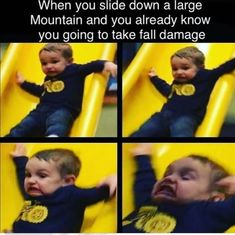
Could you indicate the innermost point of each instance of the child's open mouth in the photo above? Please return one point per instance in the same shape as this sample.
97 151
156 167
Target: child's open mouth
34 191
165 191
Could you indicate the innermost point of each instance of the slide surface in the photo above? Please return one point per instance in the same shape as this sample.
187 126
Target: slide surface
141 99
98 161
23 57
164 154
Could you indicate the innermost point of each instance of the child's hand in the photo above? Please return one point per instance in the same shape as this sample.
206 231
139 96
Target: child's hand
142 149
110 181
19 78
229 184
110 67
152 72
19 151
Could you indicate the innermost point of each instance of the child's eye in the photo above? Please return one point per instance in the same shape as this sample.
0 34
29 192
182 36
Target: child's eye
42 176
186 178
27 174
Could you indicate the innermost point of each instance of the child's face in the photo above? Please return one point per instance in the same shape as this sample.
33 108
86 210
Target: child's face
185 180
42 177
183 69
53 63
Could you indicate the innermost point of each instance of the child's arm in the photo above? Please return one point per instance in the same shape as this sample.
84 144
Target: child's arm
224 68
162 86
110 67
20 160
229 184
103 191
145 176
111 182
224 210
32 88
97 66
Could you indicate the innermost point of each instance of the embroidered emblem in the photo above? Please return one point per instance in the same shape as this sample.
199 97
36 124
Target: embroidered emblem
33 213
57 86
188 89
177 89
183 89
37 214
160 223
24 211
53 86
150 220
47 86
126 222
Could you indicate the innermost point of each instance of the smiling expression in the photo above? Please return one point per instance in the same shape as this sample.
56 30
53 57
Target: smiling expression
185 180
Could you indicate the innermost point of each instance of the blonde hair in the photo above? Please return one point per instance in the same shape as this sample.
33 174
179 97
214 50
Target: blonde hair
193 53
64 48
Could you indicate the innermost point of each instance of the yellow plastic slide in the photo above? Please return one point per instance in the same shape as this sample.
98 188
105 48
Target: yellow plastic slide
164 154
23 57
98 161
141 99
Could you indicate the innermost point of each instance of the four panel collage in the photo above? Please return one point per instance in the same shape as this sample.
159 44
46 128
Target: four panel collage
117 138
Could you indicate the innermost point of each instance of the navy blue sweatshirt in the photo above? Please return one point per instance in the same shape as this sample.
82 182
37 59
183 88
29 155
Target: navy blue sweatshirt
67 88
60 212
194 217
191 97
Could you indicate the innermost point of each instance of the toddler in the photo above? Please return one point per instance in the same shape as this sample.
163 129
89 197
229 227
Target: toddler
191 197
187 96
60 95
53 204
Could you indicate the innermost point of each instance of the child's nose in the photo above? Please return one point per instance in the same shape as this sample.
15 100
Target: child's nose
171 178
31 180
179 72
49 66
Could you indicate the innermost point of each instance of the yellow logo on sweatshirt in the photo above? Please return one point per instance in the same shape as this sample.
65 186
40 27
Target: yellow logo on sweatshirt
183 89
54 86
150 220
33 213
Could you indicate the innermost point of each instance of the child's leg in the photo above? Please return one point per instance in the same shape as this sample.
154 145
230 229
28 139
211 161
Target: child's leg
184 126
155 126
27 126
59 123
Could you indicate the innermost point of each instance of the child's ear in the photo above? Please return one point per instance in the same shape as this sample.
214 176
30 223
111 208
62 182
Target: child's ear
217 196
70 60
202 66
69 180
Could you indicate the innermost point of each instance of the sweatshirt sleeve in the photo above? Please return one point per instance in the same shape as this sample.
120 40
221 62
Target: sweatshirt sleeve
20 163
32 88
144 180
91 196
224 68
162 86
96 66
223 212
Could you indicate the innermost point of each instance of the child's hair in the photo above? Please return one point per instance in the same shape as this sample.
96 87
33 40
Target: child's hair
192 52
217 171
64 48
66 160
